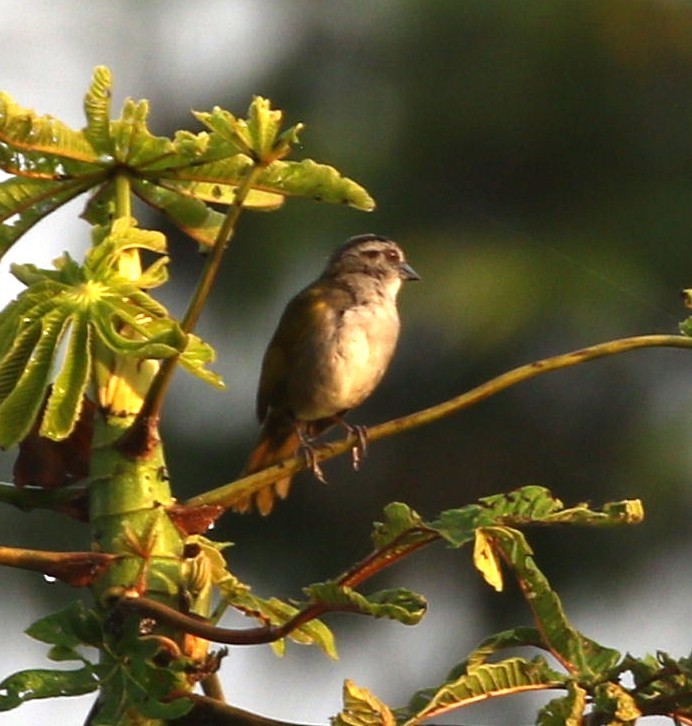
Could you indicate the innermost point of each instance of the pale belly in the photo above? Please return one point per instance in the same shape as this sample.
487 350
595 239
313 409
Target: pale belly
342 370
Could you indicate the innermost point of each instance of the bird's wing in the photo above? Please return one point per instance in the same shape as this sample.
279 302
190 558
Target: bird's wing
305 319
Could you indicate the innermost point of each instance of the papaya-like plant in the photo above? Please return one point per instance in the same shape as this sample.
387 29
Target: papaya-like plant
86 358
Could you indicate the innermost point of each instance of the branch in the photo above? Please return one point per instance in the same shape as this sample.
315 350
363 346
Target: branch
142 437
374 563
241 489
78 569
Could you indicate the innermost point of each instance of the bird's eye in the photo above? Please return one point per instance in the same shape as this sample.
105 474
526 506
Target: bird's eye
393 256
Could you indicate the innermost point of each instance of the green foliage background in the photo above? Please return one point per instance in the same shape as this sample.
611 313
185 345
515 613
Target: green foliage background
533 160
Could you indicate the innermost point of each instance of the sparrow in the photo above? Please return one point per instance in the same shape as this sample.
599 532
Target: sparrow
331 348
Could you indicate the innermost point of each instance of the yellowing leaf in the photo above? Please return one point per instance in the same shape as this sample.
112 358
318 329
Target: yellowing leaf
486 561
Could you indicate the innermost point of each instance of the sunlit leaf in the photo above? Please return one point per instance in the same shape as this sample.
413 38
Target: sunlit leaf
486 561
193 216
398 604
23 202
362 708
19 407
270 611
23 129
581 654
310 180
566 711
196 356
97 106
65 401
510 676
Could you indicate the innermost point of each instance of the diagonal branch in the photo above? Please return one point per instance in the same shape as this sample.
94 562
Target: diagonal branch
229 494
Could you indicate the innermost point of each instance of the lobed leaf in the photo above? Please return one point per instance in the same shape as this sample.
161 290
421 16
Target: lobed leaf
20 405
196 356
64 406
362 708
22 129
513 675
397 604
191 215
97 108
24 202
73 626
566 711
29 685
577 653
310 180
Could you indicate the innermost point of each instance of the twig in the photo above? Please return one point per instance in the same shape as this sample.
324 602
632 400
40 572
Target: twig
240 489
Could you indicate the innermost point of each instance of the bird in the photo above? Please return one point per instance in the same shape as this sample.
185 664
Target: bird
332 346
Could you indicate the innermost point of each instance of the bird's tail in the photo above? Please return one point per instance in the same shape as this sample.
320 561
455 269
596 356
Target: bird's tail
277 442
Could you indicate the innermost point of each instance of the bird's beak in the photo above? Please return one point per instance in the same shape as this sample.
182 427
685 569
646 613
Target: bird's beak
407 272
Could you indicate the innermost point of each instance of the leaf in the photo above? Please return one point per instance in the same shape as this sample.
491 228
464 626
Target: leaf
196 356
400 522
97 107
189 214
269 612
525 506
617 702
578 653
65 401
42 683
22 129
29 200
513 675
362 708
521 636
69 628
486 562
566 711
398 604
310 180
19 407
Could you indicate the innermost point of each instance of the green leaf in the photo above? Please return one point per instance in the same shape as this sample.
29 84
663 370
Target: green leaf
401 525
196 356
191 215
566 711
269 612
97 109
65 402
20 406
522 636
580 654
42 683
71 627
526 506
615 701
310 180
513 675
398 604
24 202
23 130
362 708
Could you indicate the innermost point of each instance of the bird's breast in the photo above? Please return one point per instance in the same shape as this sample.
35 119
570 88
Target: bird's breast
347 361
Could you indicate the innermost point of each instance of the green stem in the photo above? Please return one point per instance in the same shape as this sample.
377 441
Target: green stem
230 494
123 196
140 438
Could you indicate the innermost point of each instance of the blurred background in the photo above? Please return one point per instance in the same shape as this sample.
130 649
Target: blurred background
534 160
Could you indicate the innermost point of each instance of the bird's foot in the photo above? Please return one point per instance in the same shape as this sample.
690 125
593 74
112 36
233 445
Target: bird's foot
360 448
308 451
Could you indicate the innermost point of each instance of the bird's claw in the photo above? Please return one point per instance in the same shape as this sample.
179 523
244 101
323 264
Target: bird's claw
308 451
360 449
